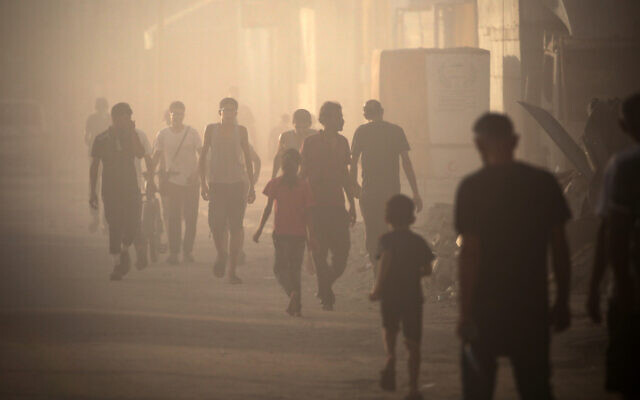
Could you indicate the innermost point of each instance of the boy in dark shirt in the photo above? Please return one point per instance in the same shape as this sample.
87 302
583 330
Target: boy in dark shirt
404 259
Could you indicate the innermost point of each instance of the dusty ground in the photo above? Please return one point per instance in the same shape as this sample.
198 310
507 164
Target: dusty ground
176 332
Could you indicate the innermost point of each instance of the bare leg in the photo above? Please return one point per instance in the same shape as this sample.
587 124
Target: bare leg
414 364
390 347
236 238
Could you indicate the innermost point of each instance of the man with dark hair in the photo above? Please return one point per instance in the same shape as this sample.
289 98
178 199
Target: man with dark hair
97 123
508 214
225 185
116 149
381 144
325 161
178 146
294 138
618 245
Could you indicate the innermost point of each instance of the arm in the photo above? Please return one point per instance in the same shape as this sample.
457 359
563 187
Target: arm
599 268
407 166
93 179
468 263
257 165
353 172
202 165
265 217
384 267
560 315
277 158
249 166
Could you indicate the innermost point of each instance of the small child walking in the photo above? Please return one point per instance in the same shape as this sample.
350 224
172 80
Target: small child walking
292 197
404 258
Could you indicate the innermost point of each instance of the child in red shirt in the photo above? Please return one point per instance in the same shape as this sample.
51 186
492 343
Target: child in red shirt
292 197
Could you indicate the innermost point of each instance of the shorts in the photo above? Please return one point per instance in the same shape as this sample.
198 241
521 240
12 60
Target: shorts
410 317
227 204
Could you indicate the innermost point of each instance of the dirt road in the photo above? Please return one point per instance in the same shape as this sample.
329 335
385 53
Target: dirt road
176 332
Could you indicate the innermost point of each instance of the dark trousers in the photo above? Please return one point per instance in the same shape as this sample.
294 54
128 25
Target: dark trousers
530 365
182 204
330 230
372 206
623 351
289 253
123 217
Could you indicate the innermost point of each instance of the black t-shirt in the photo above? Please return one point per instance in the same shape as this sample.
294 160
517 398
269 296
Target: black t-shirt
511 209
381 144
409 255
116 152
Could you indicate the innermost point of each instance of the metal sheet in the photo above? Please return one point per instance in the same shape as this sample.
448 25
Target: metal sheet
561 137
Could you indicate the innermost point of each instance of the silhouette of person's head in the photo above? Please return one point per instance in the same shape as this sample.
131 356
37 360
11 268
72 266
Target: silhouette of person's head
330 116
400 211
373 110
102 105
302 119
176 113
495 138
228 109
291 162
630 116
121 116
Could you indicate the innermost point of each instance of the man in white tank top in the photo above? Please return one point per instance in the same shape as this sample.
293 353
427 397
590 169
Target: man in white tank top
224 185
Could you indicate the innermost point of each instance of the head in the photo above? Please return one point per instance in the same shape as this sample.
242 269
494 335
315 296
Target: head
101 105
400 211
228 109
176 113
291 162
121 116
495 139
331 116
630 116
301 119
373 110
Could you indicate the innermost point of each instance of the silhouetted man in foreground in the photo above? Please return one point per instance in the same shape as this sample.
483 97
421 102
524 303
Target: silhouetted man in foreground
618 245
325 161
116 149
381 145
508 214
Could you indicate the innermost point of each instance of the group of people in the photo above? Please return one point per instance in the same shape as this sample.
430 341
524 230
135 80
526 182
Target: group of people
508 214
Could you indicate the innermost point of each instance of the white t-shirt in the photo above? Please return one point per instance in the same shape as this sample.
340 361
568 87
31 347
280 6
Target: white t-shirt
138 161
183 165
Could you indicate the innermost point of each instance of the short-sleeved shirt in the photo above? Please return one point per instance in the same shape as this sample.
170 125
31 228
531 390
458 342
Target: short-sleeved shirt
182 164
294 140
325 161
227 163
380 144
117 154
409 255
291 204
511 209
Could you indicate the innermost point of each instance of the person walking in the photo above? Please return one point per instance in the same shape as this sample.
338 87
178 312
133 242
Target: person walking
618 246
292 198
508 215
293 139
381 145
405 258
225 185
325 160
116 150
178 146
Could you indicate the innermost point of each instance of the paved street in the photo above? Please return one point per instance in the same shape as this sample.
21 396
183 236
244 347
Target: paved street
176 332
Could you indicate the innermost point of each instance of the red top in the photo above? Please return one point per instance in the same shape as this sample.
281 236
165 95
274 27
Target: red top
324 162
291 205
